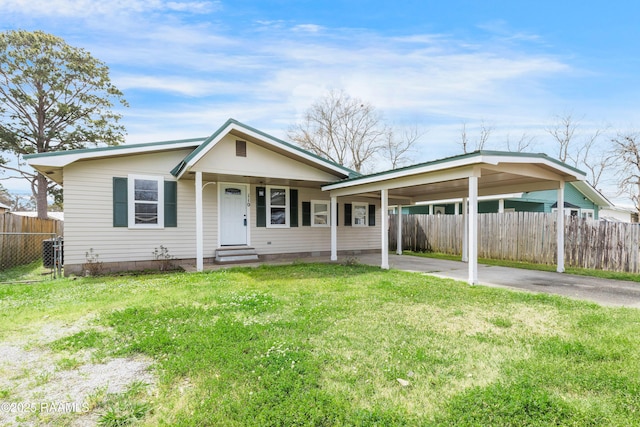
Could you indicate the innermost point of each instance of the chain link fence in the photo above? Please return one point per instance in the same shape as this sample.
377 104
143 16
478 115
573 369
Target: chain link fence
18 249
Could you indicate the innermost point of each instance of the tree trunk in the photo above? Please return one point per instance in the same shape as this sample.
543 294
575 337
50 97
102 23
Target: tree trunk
41 196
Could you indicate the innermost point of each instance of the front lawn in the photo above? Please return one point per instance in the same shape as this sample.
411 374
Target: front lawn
315 344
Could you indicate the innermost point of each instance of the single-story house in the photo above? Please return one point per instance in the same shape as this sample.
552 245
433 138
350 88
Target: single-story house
619 214
4 208
581 199
242 194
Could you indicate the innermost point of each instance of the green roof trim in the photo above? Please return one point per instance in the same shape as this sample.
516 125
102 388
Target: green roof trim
461 157
180 167
195 141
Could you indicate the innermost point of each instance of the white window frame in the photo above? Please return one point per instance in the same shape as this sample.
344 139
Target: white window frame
567 211
314 203
366 214
286 206
131 202
588 214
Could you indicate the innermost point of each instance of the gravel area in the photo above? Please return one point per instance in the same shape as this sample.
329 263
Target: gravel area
35 391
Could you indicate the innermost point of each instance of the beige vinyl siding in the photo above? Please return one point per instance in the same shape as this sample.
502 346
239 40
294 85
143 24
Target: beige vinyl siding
314 239
88 184
259 162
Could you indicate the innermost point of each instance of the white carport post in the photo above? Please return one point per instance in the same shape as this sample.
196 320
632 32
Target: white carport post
199 224
384 233
465 229
473 230
399 229
334 228
560 228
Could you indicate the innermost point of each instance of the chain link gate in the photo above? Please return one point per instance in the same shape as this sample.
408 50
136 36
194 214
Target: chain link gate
18 249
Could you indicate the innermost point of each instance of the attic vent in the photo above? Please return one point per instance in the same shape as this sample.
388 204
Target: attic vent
241 148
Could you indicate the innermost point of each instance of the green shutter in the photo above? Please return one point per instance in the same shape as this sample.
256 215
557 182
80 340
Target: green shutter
306 213
347 214
120 202
337 214
261 207
170 204
293 208
372 215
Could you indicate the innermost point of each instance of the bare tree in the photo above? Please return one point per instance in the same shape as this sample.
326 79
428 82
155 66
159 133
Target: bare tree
480 143
5 197
346 130
524 143
627 149
595 157
562 131
396 149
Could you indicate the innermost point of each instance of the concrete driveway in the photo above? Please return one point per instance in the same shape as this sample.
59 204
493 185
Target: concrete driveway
602 291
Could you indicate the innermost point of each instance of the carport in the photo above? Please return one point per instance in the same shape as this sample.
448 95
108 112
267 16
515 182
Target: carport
468 176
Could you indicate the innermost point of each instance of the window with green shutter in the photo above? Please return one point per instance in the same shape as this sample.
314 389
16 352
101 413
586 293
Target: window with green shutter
144 202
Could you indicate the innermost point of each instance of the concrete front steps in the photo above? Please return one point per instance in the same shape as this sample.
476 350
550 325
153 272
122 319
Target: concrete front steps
235 254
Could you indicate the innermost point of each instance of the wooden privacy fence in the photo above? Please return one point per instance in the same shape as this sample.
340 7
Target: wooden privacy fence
526 236
21 238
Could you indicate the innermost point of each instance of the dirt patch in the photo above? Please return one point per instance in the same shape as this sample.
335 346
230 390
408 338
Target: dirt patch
41 387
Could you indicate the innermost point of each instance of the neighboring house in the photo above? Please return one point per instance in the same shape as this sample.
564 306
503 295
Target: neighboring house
255 192
4 208
619 214
52 215
581 199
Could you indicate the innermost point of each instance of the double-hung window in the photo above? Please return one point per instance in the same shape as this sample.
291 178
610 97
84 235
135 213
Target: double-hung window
360 214
146 201
278 207
320 213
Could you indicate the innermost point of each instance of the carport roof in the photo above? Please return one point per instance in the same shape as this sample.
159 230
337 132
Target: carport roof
498 172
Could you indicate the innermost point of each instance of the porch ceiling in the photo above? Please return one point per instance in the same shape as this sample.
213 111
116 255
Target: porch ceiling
497 173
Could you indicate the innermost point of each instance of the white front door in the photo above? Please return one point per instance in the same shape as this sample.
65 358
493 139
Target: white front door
233 214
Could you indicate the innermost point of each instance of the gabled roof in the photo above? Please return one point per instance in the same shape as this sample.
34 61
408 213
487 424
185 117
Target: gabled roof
498 172
592 194
260 138
482 156
51 164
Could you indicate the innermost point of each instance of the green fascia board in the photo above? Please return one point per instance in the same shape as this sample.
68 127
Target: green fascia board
461 157
179 168
196 141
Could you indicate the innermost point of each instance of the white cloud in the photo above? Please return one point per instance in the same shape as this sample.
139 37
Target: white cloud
85 8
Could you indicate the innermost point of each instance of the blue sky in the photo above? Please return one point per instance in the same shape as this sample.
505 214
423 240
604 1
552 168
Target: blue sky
187 66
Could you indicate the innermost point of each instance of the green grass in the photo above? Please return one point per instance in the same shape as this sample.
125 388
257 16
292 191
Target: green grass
325 345
633 277
27 273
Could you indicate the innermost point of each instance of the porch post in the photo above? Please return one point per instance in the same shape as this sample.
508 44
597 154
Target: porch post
501 206
465 229
199 226
456 209
399 229
560 227
334 228
473 230
431 209
384 228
